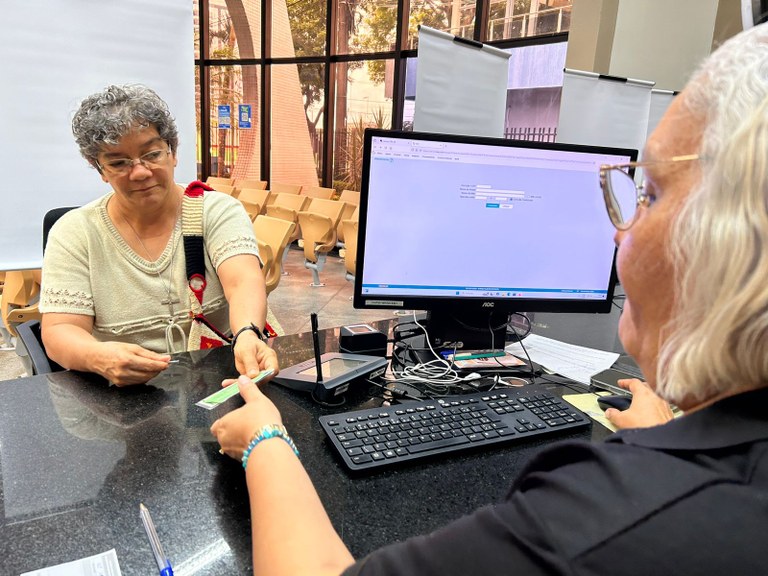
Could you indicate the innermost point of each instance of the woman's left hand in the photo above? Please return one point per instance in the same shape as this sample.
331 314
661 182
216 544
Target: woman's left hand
235 430
252 355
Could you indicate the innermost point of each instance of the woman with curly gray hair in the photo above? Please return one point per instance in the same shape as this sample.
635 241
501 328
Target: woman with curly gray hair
689 496
115 294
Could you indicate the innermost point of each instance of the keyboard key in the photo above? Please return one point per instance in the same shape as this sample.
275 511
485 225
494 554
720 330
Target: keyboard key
437 445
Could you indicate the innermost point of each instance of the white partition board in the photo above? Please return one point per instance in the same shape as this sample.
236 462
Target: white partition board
603 111
54 54
461 87
660 101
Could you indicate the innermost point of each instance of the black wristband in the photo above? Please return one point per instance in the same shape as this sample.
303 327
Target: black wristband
250 326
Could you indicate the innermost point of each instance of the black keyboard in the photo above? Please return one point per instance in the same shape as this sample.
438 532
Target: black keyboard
385 436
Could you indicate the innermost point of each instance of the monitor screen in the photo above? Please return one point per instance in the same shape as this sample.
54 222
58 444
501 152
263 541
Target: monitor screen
467 225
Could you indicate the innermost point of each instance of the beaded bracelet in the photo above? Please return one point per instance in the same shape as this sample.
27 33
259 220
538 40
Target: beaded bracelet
271 431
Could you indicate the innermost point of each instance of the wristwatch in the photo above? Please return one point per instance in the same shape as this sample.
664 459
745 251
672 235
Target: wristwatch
245 328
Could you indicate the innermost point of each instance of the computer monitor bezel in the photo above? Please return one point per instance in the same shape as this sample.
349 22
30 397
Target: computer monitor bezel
468 305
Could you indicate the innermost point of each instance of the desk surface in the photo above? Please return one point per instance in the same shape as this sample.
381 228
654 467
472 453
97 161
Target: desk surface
77 457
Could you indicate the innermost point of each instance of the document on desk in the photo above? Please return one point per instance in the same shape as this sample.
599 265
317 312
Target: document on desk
104 564
575 362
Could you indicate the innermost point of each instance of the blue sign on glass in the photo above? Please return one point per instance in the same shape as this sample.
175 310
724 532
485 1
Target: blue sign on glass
225 116
244 115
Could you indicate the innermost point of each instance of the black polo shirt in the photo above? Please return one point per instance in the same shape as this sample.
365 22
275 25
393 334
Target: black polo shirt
688 498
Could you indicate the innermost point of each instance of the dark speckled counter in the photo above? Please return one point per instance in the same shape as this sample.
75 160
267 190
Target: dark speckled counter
78 456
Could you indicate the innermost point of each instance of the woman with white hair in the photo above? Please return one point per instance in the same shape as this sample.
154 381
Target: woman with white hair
689 496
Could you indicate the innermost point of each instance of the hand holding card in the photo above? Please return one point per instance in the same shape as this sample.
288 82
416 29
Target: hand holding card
212 401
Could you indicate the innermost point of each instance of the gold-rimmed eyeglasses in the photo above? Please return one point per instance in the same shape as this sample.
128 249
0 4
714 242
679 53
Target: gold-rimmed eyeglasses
123 166
622 196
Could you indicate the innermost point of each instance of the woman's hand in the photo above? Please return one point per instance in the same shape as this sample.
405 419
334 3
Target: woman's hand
235 430
126 364
646 410
252 355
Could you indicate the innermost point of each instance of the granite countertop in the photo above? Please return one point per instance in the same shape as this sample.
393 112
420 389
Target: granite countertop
77 456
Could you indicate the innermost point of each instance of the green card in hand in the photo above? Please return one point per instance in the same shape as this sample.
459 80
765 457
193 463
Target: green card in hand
210 402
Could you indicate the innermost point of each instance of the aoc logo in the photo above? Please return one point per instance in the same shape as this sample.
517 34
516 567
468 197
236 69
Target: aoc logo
488 304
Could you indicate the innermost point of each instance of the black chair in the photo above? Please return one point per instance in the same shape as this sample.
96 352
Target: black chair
29 344
50 219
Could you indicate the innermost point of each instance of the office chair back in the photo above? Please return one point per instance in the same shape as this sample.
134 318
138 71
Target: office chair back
50 219
29 345
29 341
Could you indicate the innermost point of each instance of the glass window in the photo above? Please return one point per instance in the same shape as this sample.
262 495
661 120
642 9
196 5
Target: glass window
534 86
366 27
196 25
409 102
298 28
198 134
361 103
456 17
236 33
226 92
363 94
524 18
297 117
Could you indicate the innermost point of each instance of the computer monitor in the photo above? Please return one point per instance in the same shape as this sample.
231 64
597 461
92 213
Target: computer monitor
473 229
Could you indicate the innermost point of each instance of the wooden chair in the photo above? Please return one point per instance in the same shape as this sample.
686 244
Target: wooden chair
19 302
350 258
246 183
351 200
214 181
255 196
318 192
225 188
318 229
276 233
278 188
252 208
287 207
267 256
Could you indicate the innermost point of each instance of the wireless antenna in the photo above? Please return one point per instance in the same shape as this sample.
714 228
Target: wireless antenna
316 344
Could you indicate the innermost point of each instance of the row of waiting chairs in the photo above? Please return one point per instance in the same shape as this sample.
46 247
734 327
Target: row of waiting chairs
317 219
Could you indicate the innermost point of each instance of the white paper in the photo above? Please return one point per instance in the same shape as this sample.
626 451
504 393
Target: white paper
575 362
104 564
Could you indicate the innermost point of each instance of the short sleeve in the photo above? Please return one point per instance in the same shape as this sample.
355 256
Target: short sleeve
228 231
66 286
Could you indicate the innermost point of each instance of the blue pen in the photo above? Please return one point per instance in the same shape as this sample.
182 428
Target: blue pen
163 564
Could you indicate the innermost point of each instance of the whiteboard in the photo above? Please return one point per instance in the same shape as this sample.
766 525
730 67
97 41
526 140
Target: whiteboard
461 86
55 53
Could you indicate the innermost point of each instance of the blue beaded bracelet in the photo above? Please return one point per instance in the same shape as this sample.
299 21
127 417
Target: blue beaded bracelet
271 431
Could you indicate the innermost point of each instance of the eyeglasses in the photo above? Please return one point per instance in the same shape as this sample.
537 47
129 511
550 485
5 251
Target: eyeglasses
622 196
123 166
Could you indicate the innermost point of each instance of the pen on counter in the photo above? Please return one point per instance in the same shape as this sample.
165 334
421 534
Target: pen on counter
163 564
316 344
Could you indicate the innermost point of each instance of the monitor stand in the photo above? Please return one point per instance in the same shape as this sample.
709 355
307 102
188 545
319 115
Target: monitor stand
464 331
468 331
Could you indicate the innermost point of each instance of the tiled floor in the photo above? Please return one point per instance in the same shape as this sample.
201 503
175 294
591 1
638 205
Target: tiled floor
291 302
